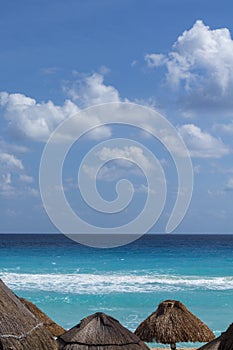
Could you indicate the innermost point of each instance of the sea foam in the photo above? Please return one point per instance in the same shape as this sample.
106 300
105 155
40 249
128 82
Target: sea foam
112 283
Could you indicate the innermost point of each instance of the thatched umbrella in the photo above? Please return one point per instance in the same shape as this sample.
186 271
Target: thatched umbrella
51 326
171 323
19 328
226 341
223 342
212 345
100 332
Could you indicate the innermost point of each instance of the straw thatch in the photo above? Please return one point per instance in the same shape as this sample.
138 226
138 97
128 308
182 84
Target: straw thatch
19 328
212 345
226 342
100 332
171 323
51 326
223 342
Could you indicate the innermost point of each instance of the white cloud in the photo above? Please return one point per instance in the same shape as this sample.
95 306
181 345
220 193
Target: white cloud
143 189
229 185
226 128
113 170
197 169
100 133
13 179
50 70
118 169
201 144
91 90
8 164
216 193
134 63
104 70
6 188
148 102
29 191
26 178
155 60
9 161
133 153
9 147
34 120
201 60
122 163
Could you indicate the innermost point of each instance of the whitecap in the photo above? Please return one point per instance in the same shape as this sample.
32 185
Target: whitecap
88 283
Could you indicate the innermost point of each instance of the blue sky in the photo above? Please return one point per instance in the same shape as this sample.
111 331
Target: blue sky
59 57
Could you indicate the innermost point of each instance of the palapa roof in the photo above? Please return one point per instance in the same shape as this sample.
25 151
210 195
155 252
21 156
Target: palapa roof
223 342
212 345
19 328
226 342
51 326
101 332
171 323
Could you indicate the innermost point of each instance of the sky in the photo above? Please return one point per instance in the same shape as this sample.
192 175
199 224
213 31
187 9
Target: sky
59 57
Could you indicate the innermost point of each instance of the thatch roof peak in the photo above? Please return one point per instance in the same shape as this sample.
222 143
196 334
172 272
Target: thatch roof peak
19 328
169 304
100 331
172 322
98 316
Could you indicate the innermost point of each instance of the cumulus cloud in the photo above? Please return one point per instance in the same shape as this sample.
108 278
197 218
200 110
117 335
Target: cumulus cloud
28 118
100 133
134 153
201 144
200 62
118 169
91 90
122 163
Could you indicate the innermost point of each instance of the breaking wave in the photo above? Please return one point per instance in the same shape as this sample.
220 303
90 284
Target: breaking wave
112 283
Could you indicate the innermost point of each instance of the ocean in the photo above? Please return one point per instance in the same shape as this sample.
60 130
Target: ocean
70 281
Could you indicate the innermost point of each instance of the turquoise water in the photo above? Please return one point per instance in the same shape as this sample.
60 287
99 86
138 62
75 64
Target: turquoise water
69 281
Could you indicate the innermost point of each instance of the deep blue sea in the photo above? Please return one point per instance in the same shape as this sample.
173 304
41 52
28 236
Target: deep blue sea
70 281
